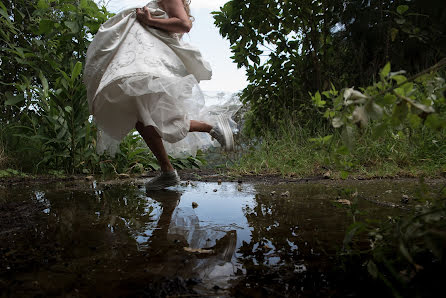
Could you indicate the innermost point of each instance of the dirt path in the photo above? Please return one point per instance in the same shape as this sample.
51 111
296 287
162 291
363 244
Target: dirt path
204 175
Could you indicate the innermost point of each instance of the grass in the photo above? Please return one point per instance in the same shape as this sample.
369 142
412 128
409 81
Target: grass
3 157
289 152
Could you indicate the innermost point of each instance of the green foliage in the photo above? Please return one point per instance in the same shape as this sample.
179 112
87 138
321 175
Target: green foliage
288 151
292 150
43 37
291 48
392 102
393 127
189 162
404 107
11 173
43 103
45 117
58 126
134 157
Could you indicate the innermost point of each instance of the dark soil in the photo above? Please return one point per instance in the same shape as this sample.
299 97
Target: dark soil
19 222
40 179
203 175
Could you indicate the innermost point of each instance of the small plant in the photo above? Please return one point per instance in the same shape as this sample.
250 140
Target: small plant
11 173
404 107
134 157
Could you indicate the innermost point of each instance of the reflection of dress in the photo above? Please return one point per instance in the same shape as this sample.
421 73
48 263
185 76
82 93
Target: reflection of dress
216 268
138 73
181 225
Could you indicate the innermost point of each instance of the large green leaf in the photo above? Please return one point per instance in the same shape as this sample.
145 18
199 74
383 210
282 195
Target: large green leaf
3 10
385 71
76 71
12 100
45 85
73 26
402 9
45 26
42 4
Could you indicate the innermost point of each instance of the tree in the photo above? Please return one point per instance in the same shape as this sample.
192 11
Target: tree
291 48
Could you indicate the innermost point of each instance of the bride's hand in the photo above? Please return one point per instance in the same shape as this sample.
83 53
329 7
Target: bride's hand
143 15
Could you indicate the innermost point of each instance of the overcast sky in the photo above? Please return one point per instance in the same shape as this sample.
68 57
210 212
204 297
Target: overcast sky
205 36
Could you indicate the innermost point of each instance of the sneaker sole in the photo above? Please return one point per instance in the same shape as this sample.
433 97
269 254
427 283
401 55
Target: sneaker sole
162 186
227 133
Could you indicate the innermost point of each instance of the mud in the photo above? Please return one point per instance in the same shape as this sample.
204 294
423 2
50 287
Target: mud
113 238
204 175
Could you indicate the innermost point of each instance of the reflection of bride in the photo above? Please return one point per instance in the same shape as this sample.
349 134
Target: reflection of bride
181 225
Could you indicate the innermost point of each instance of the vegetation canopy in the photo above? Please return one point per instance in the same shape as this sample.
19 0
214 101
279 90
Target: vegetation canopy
291 48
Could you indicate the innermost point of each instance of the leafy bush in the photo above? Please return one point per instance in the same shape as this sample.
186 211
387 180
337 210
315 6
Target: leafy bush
45 117
290 48
397 106
44 110
58 126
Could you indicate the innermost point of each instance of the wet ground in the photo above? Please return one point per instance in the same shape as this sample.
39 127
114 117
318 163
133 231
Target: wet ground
108 239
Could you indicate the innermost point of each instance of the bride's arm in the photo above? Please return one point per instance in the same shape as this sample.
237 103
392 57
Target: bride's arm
178 21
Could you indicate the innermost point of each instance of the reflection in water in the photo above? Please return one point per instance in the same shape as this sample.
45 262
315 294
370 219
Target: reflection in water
123 241
180 224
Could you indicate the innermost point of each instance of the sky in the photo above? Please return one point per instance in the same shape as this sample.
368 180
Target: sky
205 36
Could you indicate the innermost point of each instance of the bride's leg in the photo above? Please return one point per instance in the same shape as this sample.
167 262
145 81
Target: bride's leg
199 126
221 132
155 143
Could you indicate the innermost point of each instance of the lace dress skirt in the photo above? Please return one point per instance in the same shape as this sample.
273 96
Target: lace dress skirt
135 73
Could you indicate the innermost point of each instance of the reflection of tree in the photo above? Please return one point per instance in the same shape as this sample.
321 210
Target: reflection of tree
92 241
82 244
105 218
288 238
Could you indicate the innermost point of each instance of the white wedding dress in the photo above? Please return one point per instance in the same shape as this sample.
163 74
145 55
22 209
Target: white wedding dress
137 73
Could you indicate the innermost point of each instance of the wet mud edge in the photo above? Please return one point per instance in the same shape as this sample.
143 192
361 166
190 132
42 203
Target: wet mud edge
204 175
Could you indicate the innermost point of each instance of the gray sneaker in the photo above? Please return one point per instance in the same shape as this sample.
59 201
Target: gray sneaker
223 134
163 180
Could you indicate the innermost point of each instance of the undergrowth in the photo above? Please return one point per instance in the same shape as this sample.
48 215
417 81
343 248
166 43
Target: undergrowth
133 157
293 151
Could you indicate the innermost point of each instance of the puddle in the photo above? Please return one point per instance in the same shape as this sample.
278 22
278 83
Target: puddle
204 239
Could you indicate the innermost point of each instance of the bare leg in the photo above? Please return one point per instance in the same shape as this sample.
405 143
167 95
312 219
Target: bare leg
155 143
199 126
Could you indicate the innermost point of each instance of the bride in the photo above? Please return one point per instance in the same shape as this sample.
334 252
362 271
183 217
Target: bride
140 74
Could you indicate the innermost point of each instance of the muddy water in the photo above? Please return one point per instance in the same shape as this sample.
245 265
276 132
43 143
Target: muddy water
197 239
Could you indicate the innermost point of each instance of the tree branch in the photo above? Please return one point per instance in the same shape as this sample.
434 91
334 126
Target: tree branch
435 67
